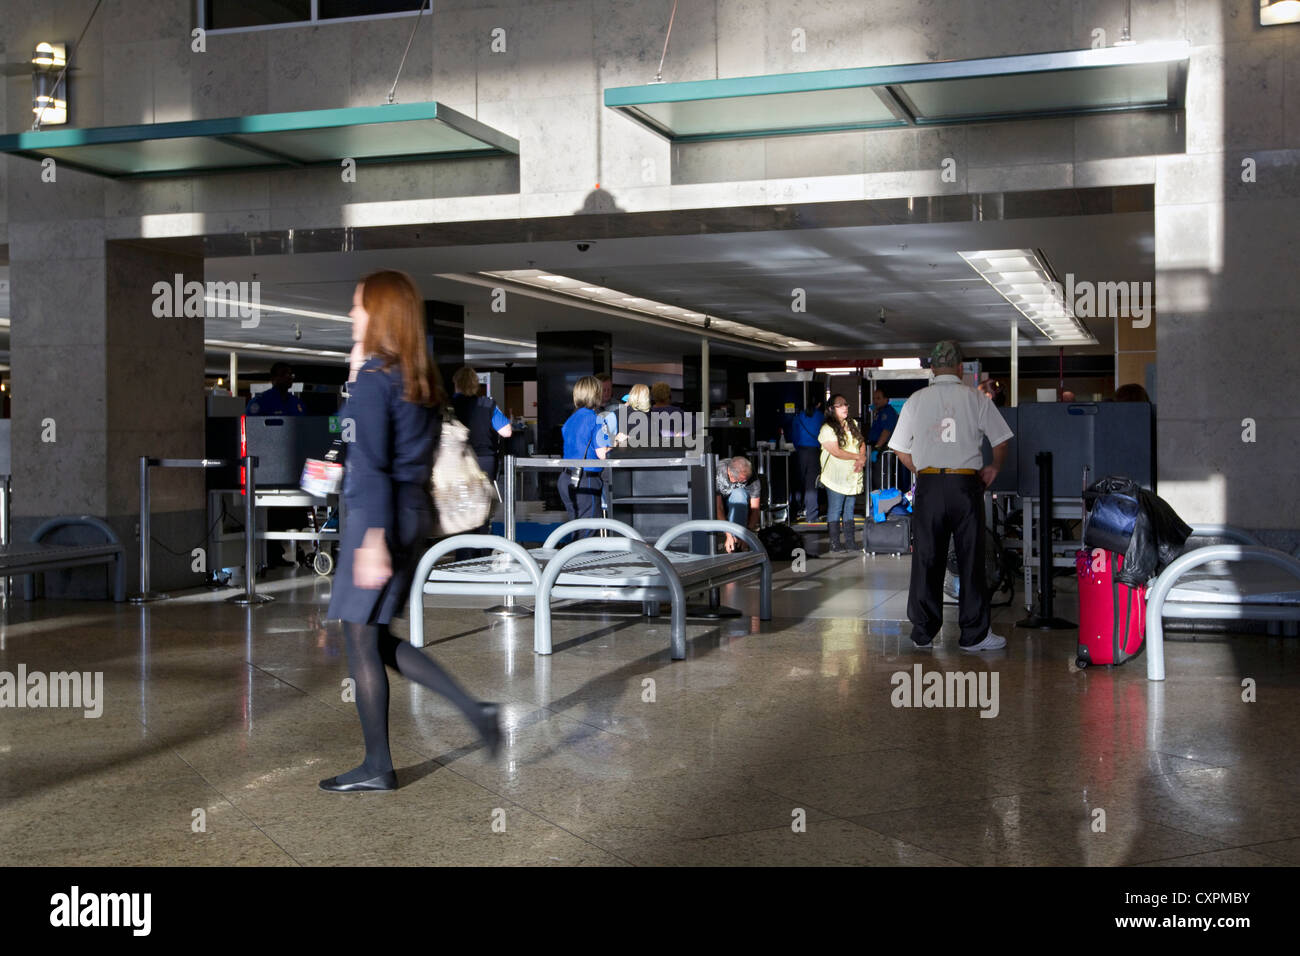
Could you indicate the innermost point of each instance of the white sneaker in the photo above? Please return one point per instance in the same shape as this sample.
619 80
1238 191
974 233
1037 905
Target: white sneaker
991 642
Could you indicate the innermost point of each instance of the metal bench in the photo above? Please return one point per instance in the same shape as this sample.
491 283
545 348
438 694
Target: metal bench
623 568
35 557
1185 589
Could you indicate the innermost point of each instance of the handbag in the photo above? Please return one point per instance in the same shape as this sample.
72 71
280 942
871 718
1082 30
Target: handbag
1109 520
461 492
324 476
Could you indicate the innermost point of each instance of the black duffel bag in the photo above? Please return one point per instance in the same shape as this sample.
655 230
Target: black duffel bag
780 541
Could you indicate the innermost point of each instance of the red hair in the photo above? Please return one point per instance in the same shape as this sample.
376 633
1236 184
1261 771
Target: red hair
395 334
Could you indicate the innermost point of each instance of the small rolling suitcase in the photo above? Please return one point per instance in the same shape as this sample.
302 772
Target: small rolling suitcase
891 536
1112 616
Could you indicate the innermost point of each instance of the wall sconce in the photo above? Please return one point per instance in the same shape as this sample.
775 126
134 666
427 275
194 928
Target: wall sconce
1275 12
50 84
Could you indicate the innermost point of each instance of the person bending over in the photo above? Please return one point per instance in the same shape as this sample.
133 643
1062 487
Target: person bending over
738 500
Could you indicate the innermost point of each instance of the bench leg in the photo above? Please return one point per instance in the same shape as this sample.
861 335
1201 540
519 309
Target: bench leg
679 618
679 630
542 625
1155 646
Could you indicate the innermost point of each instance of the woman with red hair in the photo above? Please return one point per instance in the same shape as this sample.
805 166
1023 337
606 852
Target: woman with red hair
395 411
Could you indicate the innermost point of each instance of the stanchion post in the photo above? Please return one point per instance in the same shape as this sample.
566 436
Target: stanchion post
508 609
1044 619
4 531
146 534
250 595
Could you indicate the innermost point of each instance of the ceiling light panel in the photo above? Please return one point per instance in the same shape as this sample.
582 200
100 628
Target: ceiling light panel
1022 277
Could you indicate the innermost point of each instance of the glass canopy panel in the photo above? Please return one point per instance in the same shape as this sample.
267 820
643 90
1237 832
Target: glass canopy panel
425 131
1136 86
772 113
1138 77
368 140
155 156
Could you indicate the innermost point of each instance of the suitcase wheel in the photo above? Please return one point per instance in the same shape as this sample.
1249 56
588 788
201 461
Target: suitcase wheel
1081 662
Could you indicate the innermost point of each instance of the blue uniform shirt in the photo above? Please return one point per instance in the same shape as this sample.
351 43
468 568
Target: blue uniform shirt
271 402
885 419
804 429
583 434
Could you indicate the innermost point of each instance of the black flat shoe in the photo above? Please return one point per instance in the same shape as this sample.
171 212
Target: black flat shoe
385 781
492 735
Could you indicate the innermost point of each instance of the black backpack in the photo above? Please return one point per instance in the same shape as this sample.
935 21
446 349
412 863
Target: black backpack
780 541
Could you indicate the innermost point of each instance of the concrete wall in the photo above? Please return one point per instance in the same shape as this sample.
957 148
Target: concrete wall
1225 251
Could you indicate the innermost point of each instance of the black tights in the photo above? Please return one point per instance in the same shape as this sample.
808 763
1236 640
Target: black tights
370 647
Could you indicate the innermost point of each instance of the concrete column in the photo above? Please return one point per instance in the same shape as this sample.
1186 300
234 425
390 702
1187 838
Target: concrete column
101 381
1227 287
445 322
562 359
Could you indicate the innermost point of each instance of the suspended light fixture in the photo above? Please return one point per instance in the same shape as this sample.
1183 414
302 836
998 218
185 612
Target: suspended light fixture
50 84
1275 12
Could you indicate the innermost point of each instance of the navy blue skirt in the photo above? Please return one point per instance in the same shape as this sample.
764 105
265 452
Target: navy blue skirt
413 526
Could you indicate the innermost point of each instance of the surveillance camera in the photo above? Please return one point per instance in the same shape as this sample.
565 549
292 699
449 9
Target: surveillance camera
882 315
584 246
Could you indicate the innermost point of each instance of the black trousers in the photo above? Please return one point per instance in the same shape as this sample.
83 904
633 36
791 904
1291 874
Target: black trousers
805 491
948 507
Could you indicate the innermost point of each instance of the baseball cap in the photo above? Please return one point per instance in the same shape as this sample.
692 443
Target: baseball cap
946 354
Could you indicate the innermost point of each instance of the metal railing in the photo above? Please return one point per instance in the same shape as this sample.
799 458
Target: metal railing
250 595
511 463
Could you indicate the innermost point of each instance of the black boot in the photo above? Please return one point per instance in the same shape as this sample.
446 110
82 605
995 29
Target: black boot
849 543
833 529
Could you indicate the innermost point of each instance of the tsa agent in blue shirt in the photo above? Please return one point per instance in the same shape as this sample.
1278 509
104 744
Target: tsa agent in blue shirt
884 420
585 436
278 399
804 427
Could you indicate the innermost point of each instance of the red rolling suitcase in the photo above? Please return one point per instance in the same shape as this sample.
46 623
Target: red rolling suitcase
1112 616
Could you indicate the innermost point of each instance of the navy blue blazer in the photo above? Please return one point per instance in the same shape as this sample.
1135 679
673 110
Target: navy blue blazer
385 485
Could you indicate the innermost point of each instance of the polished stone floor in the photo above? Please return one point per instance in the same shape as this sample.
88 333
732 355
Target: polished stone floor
772 743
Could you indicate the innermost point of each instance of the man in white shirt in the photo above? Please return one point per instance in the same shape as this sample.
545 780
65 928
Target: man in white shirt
938 439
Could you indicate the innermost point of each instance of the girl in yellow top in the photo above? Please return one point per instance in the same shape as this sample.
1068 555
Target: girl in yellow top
844 455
